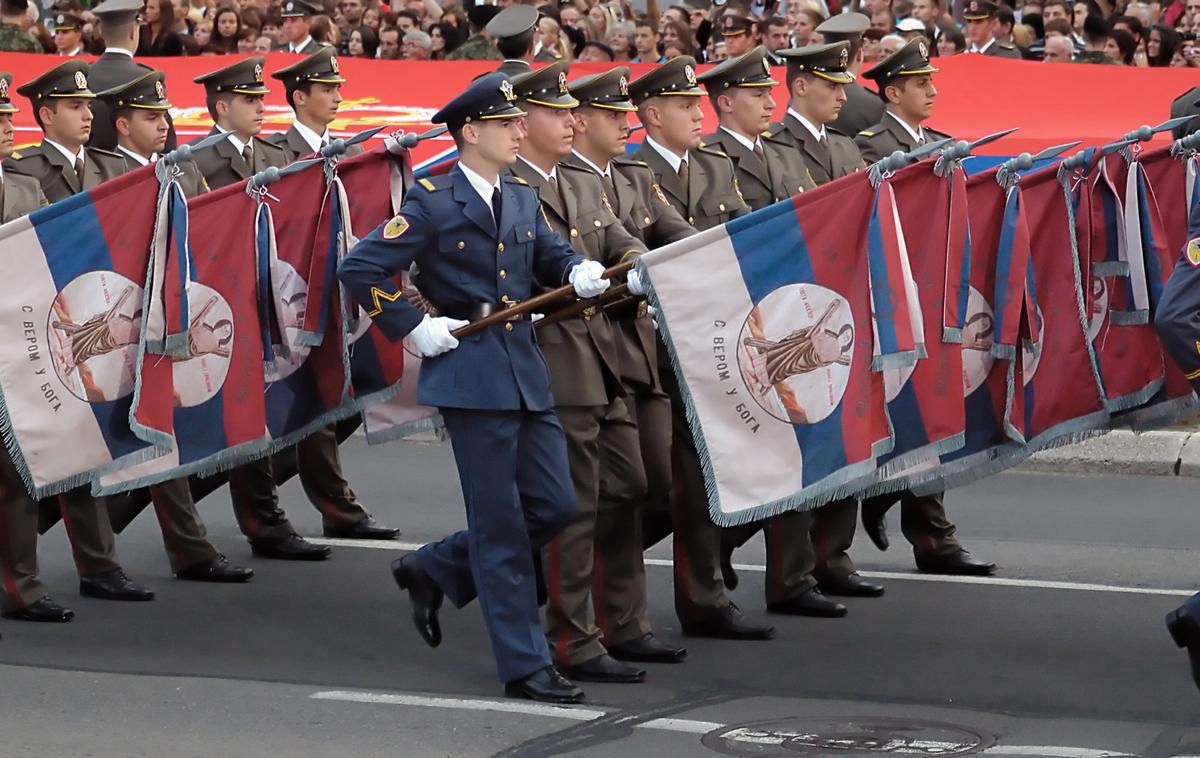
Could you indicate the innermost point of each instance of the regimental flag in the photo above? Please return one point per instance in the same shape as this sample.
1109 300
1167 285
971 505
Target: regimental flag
770 322
70 331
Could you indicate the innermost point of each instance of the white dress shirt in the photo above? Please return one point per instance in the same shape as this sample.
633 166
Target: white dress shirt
119 50
669 156
810 126
918 136
481 186
552 176
606 171
234 140
314 140
748 143
140 160
983 49
300 45
71 157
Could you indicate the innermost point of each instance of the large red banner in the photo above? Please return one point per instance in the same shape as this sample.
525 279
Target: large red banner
1051 103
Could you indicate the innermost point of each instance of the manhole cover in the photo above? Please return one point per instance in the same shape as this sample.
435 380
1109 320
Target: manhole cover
846 737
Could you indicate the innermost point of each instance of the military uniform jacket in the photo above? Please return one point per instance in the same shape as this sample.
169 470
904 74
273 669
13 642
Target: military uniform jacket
711 196
824 165
311 47
643 209
476 48
861 109
888 136
511 68
446 228
295 147
1000 49
22 196
190 180
783 175
222 164
56 174
1185 105
111 70
585 366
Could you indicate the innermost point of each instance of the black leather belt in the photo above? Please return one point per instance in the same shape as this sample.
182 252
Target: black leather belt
479 311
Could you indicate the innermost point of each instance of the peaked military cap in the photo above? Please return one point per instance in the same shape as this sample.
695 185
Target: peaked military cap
117 12
67 22
6 105
244 77
675 77
148 91
322 66
298 8
909 60
64 80
608 90
733 24
826 61
748 70
979 10
513 20
489 97
546 86
844 27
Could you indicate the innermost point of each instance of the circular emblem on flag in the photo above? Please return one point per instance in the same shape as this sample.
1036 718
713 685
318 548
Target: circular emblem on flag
795 351
396 227
80 80
333 64
201 375
92 334
258 72
507 90
690 73
562 82
159 92
623 85
923 49
977 342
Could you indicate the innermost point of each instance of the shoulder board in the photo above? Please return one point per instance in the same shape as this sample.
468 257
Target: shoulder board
573 167
26 153
436 183
866 133
936 135
774 129
105 153
426 184
627 161
831 130
1192 94
516 179
271 145
713 151
1005 46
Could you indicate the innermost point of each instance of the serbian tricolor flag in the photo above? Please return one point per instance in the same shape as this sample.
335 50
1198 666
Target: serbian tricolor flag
383 375
70 332
1061 387
770 321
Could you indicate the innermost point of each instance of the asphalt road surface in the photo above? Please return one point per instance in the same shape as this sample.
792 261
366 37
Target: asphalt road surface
1064 653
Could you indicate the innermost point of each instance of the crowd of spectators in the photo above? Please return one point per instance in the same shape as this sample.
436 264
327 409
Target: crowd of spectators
1117 32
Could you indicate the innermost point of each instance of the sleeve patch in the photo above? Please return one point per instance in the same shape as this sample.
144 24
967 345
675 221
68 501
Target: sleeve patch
396 227
1193 252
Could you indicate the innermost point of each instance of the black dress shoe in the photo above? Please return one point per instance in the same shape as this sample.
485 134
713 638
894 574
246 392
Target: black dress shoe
44 610
728 574
729 624
850 585
960 563
605 668
648 649
367 529
217 569
426 597
113 585
291 548
809 603
1185 631
874 521
546 685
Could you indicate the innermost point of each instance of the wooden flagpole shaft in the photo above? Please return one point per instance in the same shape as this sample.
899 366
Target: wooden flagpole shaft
611 295
532 304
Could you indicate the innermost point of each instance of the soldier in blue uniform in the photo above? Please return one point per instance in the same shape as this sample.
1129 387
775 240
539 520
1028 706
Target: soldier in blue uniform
1178 323
480 243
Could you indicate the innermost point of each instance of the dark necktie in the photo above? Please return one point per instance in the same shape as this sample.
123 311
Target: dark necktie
683 172
79 170
248 156
496 205
611 192
758 151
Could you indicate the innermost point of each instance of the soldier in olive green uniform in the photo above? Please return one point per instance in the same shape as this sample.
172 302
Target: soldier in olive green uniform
767 169
479 46
297 20
643 436
862 107
584 374
905 81
980 16
61 98
699 183
14 39
512 30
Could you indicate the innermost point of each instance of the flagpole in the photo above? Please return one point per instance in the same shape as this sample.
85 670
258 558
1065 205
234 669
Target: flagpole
611 296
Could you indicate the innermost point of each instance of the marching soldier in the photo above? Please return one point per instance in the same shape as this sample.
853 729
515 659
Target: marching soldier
513 32
862 108
982 24
585 377
314 90
767 169
68 35
481 241
120 30
619 573
297 21
234 95
699 183
905 81
60 96
138 110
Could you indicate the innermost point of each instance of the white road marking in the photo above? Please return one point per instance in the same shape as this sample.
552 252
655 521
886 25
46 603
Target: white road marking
993 581
692 726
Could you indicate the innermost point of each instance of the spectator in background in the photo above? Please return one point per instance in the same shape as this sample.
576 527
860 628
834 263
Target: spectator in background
676 13
620 39
407 21
371 18
775 37
1059 49
1185 56
363 43
603 17
272 29
157 37
1120 47
950 42
929 12
884 20
351 12
247 41
569 15
1079 14
871 39
444 37
1161 45
890 44
1134 28
416 46
910 28
646 40
1005 21
596 52
252 18
679 35
551 44
1095 38
803 20
227 28
389 43
202 37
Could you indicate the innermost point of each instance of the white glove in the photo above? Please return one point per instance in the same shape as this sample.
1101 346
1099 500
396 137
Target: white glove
634 282
432 336
588 278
